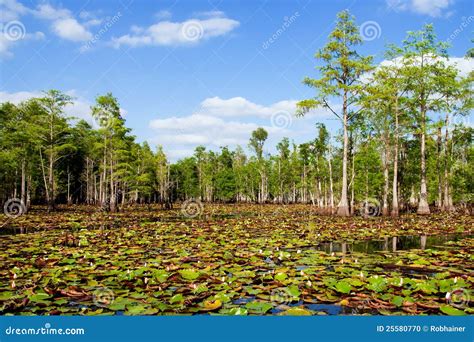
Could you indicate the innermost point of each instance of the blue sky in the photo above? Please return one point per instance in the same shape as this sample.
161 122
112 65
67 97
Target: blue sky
200 72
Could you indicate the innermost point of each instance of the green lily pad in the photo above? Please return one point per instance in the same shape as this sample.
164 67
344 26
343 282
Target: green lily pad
343 287
177 299
258 307
281 277
297 311
451 311
189 274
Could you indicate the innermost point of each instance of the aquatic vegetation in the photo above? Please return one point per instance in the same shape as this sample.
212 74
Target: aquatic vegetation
235 260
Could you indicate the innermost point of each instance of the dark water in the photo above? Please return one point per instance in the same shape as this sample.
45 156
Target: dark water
391 244
14 230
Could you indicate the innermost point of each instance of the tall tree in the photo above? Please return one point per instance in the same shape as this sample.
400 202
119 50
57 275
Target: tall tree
53 130
107 113
257 140
423 65
340 78
384 100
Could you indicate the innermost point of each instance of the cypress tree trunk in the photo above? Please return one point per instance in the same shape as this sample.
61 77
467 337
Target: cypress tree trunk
423 207
395 211
343 207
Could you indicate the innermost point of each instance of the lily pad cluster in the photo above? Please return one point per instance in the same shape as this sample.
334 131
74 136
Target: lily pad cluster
231 260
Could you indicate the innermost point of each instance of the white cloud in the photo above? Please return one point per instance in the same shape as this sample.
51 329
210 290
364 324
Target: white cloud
63 23
13 31
210 14
11 10
432 8
70 29
230 122
463 64
178 134
7 44
89 19
92 22
80 108
238 106
48 12
18 97
168 33
163 14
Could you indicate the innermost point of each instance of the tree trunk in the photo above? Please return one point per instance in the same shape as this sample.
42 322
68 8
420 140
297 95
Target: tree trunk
69 198
385 178
343 207
439 202
395 212
352 209
23 182
331 192
51 181
423 207
113 199
447 202
103 180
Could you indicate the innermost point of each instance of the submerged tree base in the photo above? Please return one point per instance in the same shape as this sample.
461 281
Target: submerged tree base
233 260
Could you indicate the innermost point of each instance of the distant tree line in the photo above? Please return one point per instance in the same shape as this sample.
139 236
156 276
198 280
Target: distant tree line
390 149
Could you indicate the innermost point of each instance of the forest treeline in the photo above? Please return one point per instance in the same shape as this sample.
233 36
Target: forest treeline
400 145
